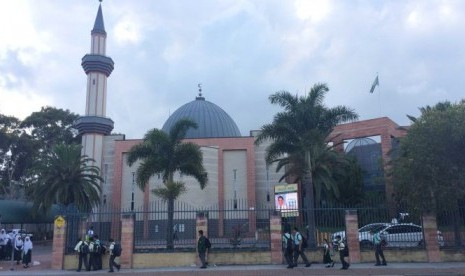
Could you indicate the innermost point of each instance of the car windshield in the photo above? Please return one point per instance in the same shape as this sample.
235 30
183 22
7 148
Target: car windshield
369 227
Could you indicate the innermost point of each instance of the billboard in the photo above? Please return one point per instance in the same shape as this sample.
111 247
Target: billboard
286 200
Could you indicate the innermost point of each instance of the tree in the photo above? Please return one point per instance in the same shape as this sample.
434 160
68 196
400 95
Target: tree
165 154
17 153
300 131
429 171
65 177
51 126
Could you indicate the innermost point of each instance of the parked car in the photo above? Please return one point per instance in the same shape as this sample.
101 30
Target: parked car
363 231
396 235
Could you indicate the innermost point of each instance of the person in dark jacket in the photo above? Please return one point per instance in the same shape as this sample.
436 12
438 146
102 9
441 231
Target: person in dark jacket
202 249
79 248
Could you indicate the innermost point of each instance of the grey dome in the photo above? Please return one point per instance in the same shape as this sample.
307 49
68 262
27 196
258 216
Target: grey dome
212 121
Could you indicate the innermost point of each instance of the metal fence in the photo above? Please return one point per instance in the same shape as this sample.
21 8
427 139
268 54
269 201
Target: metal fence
234 226
231 227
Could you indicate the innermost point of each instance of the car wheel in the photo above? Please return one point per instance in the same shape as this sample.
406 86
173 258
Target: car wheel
365 244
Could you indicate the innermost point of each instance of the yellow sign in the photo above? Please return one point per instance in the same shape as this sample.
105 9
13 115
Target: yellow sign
59 222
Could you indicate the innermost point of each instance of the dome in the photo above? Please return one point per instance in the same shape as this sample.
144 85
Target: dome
359 142
212 121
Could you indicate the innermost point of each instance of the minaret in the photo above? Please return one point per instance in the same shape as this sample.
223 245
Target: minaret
94 125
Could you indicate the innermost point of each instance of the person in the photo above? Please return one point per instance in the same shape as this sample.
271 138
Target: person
288 245
18 249
377 243
3 242
112 262
343 252
298 248
281 204
92 255
202 249
8 247
327 254
90 233
79 248
98 250
27 251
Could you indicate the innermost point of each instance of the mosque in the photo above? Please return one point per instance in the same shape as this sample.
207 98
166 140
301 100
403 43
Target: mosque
235 165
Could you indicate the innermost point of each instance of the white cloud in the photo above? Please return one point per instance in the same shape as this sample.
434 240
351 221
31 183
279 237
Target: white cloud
127 30
314 10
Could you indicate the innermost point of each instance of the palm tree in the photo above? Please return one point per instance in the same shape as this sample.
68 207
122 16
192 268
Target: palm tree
299 136
165 154
65 177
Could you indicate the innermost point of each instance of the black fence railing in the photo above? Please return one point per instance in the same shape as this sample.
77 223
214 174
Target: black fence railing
235 226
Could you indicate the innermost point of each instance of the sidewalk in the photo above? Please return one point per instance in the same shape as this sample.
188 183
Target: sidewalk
258 270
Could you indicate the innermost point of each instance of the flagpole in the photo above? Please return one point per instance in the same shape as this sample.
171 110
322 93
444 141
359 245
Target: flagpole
379 96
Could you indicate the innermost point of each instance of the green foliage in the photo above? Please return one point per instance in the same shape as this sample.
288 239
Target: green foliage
429 172
51 126
65 177
24 142
165 154
299 135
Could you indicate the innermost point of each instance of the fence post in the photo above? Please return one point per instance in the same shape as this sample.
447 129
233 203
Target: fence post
352 235
59 243
276 239
430 229
127 239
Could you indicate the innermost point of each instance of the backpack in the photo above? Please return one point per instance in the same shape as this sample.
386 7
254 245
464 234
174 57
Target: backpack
345 251
84 248
289 242
383 243
97 248
117 250
208 244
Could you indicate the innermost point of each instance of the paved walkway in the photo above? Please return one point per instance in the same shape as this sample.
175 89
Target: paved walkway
258 270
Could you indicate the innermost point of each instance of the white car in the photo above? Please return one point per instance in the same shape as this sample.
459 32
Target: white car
363 233
396 235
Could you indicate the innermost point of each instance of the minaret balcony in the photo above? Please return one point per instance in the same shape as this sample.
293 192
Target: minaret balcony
93 125
97 63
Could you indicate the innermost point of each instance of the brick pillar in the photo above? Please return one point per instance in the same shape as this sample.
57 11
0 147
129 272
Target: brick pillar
430 229
59 243
352 235
127 239
276 240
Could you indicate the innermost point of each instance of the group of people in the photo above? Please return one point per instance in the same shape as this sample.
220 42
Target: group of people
293 244
292 247
14 245
338 245
90 251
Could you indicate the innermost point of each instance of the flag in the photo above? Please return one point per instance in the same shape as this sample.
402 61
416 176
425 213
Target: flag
375 83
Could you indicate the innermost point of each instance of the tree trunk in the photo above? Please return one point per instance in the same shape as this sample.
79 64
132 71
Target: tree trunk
309 203
169 230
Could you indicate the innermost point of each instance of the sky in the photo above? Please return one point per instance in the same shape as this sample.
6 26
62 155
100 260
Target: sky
241 51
